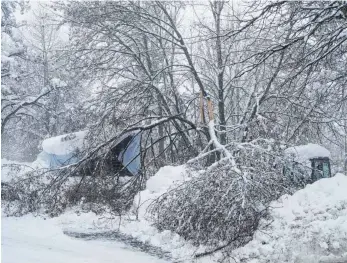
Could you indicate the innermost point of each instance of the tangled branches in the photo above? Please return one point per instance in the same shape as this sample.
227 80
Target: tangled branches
221 206
98 181
52 191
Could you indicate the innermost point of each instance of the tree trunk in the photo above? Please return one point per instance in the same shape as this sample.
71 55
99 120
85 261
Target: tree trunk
217 9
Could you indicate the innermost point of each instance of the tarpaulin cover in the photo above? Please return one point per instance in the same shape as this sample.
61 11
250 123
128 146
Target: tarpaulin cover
130 157
54 161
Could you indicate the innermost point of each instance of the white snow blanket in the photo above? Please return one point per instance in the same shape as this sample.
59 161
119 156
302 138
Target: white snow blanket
64 144
167 178
138 223
303 153
309 227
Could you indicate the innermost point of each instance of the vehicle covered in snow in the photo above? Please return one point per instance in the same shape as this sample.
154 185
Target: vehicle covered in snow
66 149
307 163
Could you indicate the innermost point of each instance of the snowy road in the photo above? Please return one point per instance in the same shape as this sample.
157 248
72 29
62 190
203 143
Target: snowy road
35 240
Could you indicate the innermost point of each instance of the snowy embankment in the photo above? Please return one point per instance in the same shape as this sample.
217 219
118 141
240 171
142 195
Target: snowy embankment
166 178
310 226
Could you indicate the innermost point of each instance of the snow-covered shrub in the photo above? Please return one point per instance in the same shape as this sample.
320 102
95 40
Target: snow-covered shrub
222 205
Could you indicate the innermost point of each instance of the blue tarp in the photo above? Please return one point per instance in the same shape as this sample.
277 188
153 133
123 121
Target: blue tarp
55 161
131 157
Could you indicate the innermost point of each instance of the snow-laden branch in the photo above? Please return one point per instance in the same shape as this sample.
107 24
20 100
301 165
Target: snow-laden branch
23 104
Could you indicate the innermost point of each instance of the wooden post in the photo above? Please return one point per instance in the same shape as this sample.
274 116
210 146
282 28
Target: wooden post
202 113
210 109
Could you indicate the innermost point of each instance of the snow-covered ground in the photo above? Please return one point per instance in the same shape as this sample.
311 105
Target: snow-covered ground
36 239
309 227
32 239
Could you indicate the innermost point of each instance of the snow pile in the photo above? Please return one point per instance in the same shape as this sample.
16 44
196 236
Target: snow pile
309 226
64 144
165 179
303 153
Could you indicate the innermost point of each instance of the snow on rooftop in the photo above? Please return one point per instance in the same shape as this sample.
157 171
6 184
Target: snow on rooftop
307 152
64 144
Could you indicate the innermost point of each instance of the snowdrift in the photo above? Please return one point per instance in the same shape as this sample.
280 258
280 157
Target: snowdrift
309 226
166 179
